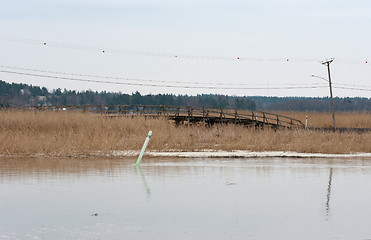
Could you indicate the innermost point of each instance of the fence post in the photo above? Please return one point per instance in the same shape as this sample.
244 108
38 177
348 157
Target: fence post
306 122
235 116
189 115
221 115
278 121
207 118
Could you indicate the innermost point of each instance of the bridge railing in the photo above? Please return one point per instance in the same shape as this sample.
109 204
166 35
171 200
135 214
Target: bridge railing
265 118
273 119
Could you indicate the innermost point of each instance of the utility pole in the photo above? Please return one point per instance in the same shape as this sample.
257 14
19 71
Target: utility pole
327 62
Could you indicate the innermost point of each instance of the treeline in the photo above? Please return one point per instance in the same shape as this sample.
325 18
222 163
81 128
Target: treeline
312 104
27 95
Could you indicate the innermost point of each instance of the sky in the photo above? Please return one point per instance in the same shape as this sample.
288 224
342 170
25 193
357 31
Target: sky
238 47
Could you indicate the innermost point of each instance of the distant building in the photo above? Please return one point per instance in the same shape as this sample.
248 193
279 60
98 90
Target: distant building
25 91
41 98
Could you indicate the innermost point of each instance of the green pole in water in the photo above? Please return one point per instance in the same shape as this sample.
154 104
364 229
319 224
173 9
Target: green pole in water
144 147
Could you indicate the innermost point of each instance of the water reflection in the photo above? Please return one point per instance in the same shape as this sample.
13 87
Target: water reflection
148 191
42 168
25 168
189 199
328 193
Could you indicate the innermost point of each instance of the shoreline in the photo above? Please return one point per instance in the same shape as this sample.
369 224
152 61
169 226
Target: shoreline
236 154
208 153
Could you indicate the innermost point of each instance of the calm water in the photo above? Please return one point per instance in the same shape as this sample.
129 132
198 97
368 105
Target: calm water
185 199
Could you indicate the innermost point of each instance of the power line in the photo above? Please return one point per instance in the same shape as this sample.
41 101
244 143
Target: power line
340 84
135 52
156 85
282 86
108 50
351 85
352 88
151 80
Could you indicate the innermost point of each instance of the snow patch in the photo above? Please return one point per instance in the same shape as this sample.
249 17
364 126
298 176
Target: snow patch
237 154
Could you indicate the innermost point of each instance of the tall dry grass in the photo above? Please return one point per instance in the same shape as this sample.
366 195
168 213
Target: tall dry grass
71 133
324 119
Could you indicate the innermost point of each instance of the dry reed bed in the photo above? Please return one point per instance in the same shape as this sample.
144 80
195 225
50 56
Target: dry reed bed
324 119
70 134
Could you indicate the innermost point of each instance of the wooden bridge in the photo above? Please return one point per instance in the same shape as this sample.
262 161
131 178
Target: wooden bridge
187 115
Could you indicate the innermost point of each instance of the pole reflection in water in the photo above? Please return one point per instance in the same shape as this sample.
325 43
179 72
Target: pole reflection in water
139 170
328 193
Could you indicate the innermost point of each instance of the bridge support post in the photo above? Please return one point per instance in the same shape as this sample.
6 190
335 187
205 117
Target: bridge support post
189 115
221 116
203 115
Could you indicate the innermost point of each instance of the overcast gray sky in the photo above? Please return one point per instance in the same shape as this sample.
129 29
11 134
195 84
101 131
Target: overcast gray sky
188 46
